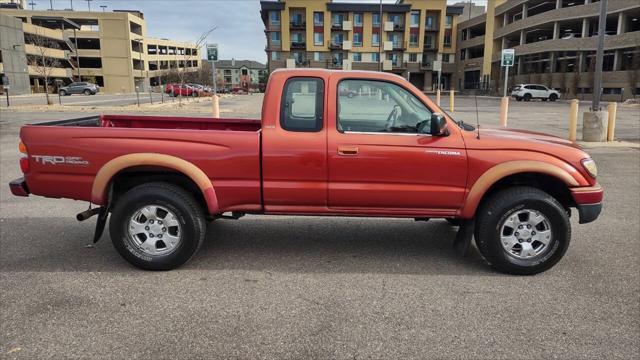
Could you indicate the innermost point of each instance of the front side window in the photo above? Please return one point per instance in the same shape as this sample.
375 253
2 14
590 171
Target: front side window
389 109
302 105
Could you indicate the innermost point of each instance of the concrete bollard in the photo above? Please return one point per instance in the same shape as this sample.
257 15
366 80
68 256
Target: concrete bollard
438 97
611 125
215 106
593 126
451 100
504 111
573 119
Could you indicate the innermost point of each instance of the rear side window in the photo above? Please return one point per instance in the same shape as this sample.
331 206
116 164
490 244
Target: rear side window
302 104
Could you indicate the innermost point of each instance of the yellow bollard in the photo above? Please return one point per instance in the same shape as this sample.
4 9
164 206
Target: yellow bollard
438 97
215 106
611 126
573 119
451 100
504 111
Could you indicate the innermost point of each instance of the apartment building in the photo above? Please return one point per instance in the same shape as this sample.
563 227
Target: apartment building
555 45
239 73
405 37
110 48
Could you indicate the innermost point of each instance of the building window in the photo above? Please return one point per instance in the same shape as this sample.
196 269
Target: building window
357 19
376 20
445 58
357 57
395 19
375 57
316 56
275 37
318 18
447 38
274 17
413 57
463 54
375 39
275 56
413 39
428 42
357 39
429 22
448 21
415 18
318 38
337 19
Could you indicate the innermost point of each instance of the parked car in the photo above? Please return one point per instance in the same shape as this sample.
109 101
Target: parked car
177 90
82 87
527 92
162 178
199 89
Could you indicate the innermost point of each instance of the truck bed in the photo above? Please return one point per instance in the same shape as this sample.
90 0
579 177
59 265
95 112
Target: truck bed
227 150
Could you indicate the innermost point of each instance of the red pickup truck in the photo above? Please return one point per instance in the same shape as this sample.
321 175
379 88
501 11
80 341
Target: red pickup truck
385 150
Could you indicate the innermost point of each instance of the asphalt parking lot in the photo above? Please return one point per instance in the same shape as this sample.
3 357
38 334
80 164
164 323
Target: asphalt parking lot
310 287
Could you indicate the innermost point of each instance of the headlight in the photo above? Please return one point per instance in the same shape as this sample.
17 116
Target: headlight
590 166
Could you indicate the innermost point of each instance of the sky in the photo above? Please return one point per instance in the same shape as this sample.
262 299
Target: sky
239 33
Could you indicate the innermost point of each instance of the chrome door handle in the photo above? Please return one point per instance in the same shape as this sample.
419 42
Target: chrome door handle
347 150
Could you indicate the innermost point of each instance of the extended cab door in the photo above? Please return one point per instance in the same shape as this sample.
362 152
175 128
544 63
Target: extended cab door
379 162
294 145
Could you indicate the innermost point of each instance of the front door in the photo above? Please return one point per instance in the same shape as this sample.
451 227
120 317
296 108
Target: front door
380 161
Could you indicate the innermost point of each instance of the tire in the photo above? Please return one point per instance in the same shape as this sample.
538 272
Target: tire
527 97
553 97
518 98
62 93
87 92
157 199
493 218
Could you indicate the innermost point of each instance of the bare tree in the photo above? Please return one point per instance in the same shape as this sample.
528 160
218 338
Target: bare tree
188 56
43 62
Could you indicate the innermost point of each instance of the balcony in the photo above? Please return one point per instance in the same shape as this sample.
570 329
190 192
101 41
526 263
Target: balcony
433 27
335 45
297 25
399 45
298 45
334 63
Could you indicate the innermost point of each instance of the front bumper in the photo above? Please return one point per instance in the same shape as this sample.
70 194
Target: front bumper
589 202
19 187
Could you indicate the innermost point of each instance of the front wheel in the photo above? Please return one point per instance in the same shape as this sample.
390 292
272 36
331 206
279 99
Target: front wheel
62 93
553 97
157 226
522 231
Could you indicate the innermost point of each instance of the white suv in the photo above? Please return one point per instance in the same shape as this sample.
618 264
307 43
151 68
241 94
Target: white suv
527 92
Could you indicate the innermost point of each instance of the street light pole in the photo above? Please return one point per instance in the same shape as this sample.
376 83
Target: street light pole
89 4
597 87
51 4
104 7
71 4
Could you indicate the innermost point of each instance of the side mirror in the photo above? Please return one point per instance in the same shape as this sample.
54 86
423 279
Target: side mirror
438 125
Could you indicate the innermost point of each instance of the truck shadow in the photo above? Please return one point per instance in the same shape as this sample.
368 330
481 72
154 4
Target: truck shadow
269 244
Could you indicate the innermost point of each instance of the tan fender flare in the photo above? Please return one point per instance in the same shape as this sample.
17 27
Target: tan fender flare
505 169
114 166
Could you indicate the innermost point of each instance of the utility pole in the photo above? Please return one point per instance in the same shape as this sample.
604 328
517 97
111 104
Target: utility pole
597 87
71 5
50 4
33 4
89 4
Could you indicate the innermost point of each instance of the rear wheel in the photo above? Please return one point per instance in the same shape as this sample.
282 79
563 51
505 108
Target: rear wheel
87 92
518 98
157 226
527 97
522 231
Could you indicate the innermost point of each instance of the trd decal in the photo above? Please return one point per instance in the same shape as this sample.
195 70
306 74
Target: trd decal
60 160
